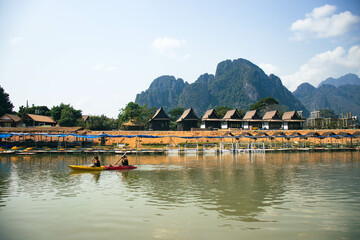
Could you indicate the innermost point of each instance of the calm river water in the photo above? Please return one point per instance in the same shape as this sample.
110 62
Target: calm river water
271 196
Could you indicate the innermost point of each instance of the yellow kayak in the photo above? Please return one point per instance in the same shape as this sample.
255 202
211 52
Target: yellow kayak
86 168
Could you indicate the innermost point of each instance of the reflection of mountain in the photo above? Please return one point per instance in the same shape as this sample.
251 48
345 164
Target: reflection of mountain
236 192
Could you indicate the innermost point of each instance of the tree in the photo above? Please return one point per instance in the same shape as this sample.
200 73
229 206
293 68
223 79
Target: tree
66 115
175 113
265 104
221 110
136 112
5 105
326 113
100 123
39 110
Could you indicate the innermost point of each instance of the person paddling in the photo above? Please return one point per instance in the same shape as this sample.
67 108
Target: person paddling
125 161
96 161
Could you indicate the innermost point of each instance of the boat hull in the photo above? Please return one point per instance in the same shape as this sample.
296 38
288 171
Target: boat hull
120 167
89 168
86 168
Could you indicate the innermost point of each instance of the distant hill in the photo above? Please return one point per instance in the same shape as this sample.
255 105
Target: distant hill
350 78
163 92
236 84
342 99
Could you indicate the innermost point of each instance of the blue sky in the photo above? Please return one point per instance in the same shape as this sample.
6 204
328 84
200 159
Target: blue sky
97 55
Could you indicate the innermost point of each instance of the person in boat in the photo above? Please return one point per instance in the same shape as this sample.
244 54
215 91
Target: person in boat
125 161
96 162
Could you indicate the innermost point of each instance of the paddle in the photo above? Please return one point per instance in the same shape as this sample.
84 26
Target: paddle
120 158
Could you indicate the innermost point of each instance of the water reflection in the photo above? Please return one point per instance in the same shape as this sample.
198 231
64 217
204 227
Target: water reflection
241 187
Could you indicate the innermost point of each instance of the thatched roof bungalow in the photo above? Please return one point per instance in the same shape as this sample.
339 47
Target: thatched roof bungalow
272 120
292 120
33 120
210 120
9 120
160 121
252 119
133 124
232 119
187 120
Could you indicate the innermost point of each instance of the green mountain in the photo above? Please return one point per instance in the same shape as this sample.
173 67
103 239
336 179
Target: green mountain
349 78
163 92
236 84
342 99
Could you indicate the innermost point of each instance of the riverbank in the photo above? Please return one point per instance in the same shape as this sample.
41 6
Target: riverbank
161 151
77 140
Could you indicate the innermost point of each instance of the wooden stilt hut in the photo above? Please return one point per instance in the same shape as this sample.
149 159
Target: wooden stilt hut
9 120
134 125
232 119
160 121
263 136
357 136
188 120
272 120
312 135
326 136
281 135
294 135
252 119
210 120
346 136
292 120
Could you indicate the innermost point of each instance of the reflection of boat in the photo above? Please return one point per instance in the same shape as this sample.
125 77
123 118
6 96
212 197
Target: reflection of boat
95 174
89 168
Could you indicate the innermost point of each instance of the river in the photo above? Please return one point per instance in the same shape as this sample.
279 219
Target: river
302 195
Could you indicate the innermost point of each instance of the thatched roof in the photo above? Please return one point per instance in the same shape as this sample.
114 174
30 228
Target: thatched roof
160 114
133 123
278 134
344 134
261 134
291 115
312 134
210 115
357 133
10 118
232 115
252 115
42 129
246 134
272 115
328 134
188 115
40 118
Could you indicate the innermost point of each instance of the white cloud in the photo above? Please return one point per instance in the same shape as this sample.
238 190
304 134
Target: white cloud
269 68
333 63
322 22
167 43
104 67
170 47
15 40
